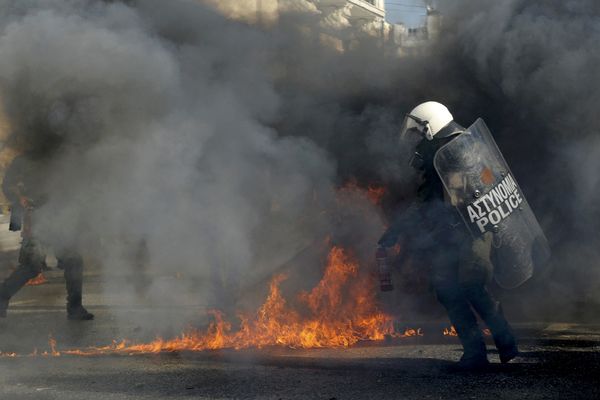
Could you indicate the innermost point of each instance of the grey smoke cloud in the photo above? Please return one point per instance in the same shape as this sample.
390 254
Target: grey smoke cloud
536 64
530 70
161 112
221 145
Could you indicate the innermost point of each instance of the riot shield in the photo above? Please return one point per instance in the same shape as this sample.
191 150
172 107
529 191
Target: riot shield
481 186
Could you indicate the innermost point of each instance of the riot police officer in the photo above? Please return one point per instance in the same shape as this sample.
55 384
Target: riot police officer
23 186
458 219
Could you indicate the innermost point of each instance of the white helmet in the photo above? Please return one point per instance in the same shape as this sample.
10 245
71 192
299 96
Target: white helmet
427 119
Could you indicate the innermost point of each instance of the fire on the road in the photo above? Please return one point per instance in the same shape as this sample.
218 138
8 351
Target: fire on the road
38 280
373 193
452 332
339 311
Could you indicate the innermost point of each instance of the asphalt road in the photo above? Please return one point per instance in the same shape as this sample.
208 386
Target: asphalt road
550 370
558 361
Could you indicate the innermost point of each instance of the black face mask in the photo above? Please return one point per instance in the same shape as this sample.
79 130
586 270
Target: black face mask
417 161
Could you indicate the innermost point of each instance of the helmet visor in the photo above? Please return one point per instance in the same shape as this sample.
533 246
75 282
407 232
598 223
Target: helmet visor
411 131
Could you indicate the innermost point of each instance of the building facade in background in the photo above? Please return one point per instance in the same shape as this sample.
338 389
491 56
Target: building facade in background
340 11
409 41
341 23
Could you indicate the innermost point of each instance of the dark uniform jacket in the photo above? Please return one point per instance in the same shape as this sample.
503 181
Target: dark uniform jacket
430 220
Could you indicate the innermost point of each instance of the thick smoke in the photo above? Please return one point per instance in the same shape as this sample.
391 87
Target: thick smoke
531 71
219 145
160 118
534 69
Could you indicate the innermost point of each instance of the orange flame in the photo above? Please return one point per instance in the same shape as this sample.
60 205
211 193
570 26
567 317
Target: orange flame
412 333
373 193
450 331
339 311
38 280
53 351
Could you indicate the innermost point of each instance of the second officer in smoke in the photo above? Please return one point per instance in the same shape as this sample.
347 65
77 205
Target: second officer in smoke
23 186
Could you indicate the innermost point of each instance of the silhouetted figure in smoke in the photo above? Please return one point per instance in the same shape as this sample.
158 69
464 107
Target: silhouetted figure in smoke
458 248
23 186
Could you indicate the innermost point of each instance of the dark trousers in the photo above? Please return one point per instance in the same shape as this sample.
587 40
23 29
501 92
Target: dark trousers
32 262
463 294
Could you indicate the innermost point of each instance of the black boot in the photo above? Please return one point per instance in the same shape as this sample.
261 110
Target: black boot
475 352
491 312
77 312
73 267
507 353
465 323
504 338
